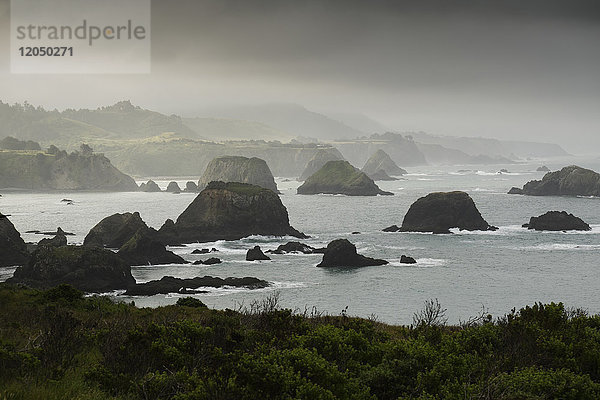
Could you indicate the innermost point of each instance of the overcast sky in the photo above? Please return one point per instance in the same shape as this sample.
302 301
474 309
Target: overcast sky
519 69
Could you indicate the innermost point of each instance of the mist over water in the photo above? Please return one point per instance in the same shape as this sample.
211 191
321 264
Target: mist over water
500 270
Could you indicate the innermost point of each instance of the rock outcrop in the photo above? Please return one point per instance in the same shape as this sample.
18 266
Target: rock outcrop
169 284
293 247
381 161
13 250
86 268
191 187
339 177
173 187
569 181
256 254
321 157
229 211
57 170
557 221
114 231
149 187
342 253
543 168
439 212
239 169
407 260
143 248
60 239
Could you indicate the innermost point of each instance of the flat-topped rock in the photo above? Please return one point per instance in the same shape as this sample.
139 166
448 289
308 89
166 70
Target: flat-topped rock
557 221
441 211
238 169
229 211
342 253
569 181
340 177
169 284
86 268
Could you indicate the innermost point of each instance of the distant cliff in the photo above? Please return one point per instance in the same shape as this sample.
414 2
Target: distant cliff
403 150
238 169
57 170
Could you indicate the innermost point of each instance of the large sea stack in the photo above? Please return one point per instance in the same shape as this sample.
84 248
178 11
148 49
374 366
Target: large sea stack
569 181
340 177
229 211
321 157
381 161
88 269
441 211
114 231
13 250
238 169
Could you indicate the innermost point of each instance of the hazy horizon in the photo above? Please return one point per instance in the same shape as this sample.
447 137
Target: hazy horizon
509 70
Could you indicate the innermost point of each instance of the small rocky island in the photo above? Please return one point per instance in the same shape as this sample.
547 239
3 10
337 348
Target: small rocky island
342 253
340 177
229 211
380 166
557 221
321 157
441 211
238 169
569 181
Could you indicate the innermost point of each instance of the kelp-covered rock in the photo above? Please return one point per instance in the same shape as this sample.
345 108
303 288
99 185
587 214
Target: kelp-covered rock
342 253
239 169
256 254
439 212
339 177
557 221
229 211
143 248
86 268
13 250
115 230
381 161
321 157
169 284
569 181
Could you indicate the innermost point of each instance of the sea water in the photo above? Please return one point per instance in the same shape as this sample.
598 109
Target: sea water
509 268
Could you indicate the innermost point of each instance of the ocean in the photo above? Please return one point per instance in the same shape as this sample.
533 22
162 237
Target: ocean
465 271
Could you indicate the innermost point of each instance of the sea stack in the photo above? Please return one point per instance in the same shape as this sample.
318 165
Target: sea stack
229 211
557 221
439 212
13 250
342 253
569 181
380 165
239 169
340 177
321 157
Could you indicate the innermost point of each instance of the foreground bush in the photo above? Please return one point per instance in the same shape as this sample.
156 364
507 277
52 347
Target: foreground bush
57 344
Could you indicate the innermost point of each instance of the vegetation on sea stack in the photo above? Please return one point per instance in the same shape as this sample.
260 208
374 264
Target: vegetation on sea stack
57 344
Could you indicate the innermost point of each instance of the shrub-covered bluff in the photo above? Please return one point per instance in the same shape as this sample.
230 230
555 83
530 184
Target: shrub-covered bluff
56 344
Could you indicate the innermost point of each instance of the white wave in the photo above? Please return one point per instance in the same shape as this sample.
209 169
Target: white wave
421 262
561 247
508 230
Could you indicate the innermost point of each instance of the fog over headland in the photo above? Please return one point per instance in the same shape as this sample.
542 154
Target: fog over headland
510 69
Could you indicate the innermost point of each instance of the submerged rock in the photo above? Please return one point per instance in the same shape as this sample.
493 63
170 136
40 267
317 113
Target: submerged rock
407 260
342 253
256 254
557 221
86 268
143 248
321 157
439 212
239 169
212 261
339 177
169 284
381 161
13 250
569 181
229 211
173 187
115 230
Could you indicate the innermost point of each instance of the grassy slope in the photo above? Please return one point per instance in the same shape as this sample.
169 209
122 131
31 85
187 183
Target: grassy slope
56 344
